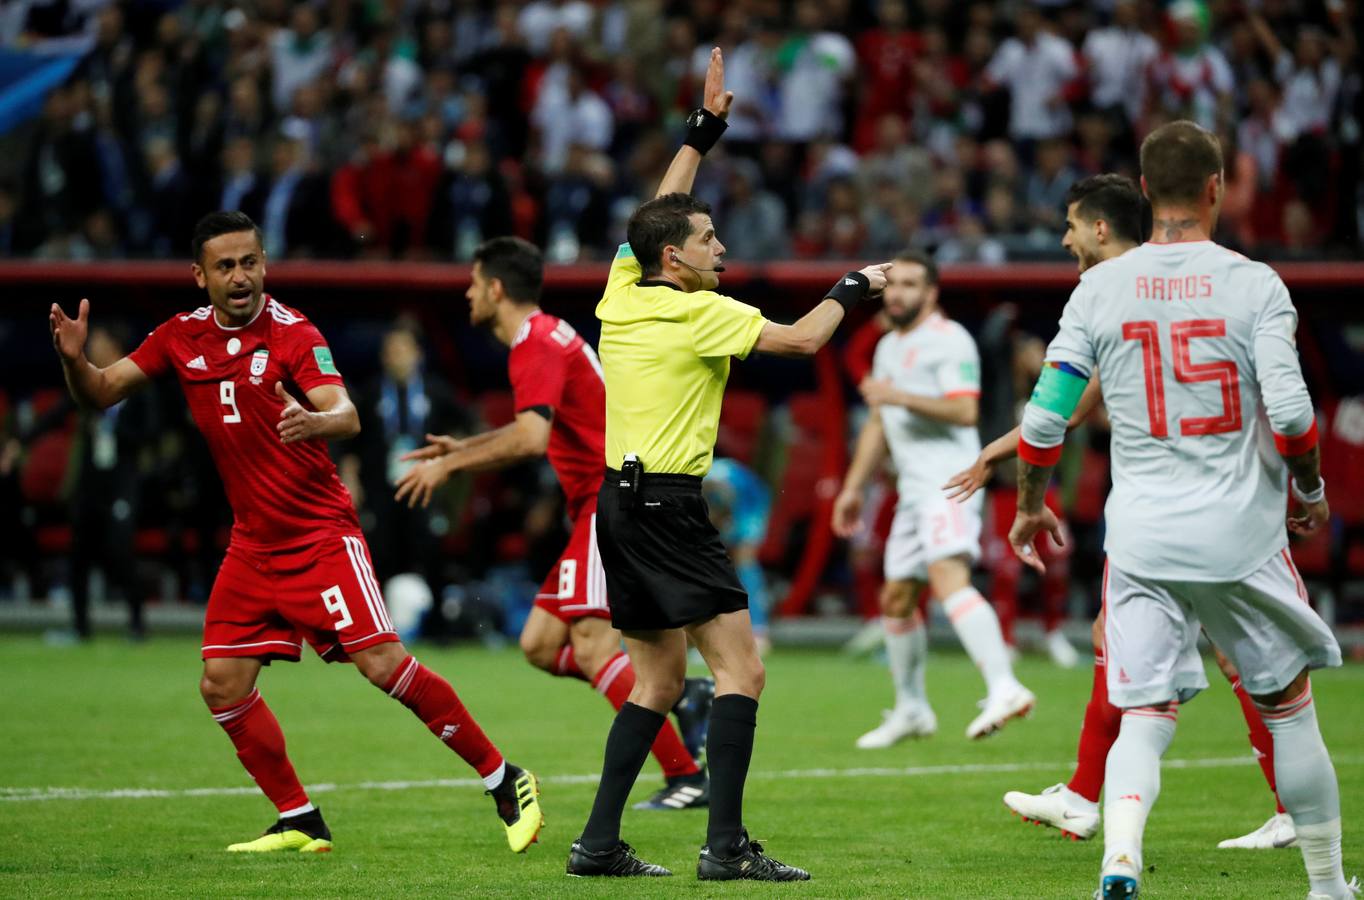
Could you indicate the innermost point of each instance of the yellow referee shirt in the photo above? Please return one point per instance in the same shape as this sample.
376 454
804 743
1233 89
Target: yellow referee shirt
665 358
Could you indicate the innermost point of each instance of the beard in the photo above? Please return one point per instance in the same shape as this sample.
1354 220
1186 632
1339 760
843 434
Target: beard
903 318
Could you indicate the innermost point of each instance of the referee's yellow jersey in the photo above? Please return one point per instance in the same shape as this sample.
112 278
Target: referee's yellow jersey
665 358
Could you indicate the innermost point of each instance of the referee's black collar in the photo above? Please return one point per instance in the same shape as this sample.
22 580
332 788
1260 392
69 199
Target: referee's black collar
657 282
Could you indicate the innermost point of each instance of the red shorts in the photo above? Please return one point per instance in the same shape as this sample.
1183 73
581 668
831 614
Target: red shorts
576 586
265 602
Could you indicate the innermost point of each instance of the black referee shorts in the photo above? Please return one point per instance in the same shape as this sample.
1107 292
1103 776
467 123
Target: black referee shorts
665 563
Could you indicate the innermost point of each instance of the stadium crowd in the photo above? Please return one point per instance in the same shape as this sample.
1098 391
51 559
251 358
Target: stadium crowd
414 129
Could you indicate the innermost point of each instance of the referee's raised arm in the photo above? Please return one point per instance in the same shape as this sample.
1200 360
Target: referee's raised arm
667 336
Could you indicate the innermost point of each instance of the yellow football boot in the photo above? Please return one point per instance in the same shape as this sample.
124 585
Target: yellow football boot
518 805
306 833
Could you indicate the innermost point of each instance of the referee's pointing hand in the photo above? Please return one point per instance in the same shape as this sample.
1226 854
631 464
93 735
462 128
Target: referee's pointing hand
717 99
876 278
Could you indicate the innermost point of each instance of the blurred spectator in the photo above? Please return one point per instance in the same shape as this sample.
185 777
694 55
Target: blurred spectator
1035 67
816 66
894 160
749 50
539 19
239 185
755 220
298 54
887 54
1116 60
383 197
970 244
1045 192
106 490
293 208
472 205
1262 133
1191 79
571 115
576 205
400 408
9 204
61 174
168 198
1235 225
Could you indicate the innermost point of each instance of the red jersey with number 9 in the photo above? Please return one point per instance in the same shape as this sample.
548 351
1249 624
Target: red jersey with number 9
281 494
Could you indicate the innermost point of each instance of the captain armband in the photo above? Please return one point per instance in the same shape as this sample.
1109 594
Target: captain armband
1059 388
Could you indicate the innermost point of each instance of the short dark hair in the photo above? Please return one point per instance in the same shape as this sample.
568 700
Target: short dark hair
1113 198
221 222
923 258
1176 160
662 221
517 263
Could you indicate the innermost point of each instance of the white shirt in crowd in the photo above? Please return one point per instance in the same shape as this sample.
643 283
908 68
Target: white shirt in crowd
812 89
564 121
1195 346
538 21
1036 75
1194 85
1117 60
937 358
1309 96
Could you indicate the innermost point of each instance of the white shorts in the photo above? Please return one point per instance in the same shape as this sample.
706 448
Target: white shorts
928 529
1263 624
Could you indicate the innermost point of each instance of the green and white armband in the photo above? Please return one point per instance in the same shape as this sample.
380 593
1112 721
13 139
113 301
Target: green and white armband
1053 402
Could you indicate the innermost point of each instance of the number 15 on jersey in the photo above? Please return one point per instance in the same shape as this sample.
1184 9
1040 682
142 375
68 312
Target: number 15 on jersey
1186 371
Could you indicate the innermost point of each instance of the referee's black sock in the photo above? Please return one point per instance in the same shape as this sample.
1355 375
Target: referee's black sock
627 746
729 747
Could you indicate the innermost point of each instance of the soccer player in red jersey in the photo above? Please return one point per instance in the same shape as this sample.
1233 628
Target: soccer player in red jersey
560 404
297 566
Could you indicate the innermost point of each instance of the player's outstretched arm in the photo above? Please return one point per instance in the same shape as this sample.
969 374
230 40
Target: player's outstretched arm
867 458
961 410
813 330
702 131
524 438
89 384
335 418
964 484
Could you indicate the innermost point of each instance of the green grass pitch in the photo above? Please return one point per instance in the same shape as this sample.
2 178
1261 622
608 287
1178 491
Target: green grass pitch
921 819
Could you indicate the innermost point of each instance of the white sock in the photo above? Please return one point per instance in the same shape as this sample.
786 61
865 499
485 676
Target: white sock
906 647
298 810
1308 790
1132 779
977 627
493 780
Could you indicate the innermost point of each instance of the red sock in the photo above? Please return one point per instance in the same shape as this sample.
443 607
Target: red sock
255 733
436 703
1102 723
1055 591
1004 595
1260 739
615 681
566 666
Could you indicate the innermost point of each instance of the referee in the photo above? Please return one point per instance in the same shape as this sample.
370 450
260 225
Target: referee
666 340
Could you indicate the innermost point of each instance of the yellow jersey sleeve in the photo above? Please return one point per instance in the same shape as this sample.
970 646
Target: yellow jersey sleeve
625 270
722 326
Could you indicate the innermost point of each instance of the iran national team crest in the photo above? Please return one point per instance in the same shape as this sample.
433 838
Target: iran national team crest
258 361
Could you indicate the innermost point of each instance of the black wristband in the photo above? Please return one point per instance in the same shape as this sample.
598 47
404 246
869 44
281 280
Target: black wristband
849 290
703 130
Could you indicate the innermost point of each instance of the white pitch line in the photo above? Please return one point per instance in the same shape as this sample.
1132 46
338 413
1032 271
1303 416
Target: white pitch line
31 794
